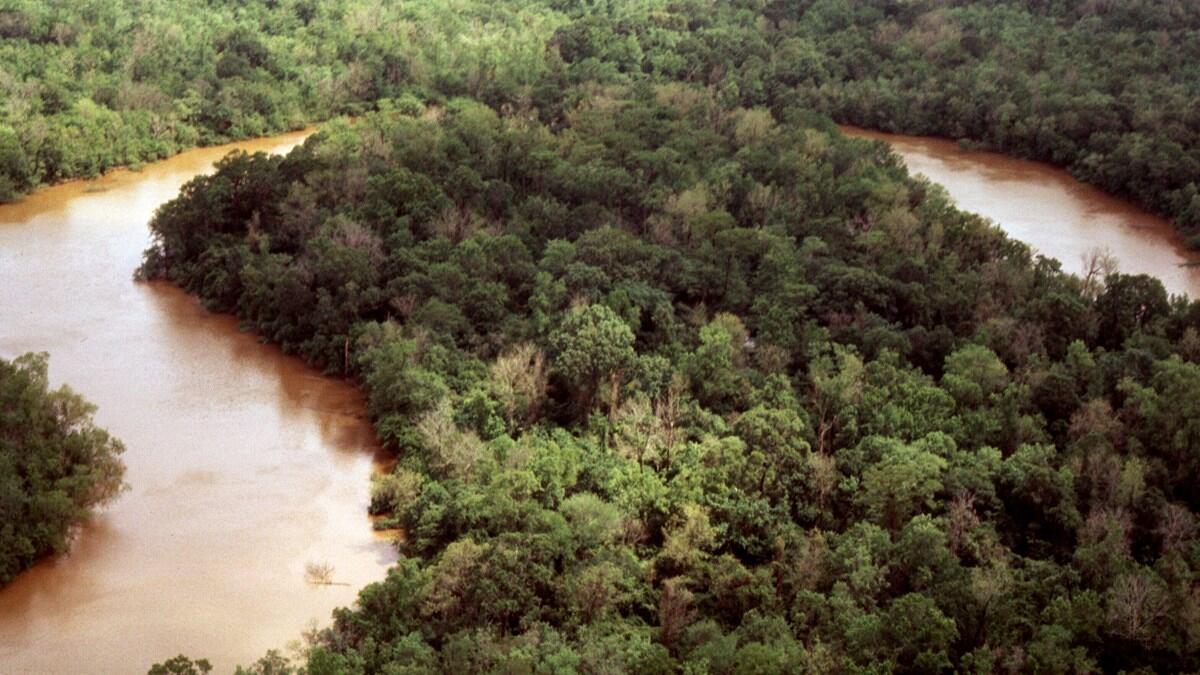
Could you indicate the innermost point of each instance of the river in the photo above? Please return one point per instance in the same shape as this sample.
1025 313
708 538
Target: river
1046 207
244 464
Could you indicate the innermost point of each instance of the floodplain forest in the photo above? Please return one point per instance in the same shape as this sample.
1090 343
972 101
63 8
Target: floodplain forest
677 377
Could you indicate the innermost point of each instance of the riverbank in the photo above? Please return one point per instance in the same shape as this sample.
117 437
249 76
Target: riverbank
1045 207
245 465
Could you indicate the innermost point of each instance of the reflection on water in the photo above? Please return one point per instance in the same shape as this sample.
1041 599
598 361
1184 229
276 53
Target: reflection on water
244 464
1045 207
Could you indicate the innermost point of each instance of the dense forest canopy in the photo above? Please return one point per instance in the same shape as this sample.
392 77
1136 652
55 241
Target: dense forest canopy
92 84
1109 89
680 385
56 466
679 379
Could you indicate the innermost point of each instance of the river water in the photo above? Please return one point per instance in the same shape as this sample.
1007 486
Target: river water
1044 206
244 465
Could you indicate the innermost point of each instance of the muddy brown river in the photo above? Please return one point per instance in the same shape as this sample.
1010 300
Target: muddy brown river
1044 206
244 465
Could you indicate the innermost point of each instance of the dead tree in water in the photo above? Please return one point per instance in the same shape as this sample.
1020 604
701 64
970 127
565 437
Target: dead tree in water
321 574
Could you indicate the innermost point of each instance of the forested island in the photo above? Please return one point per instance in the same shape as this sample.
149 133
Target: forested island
677 377
56 466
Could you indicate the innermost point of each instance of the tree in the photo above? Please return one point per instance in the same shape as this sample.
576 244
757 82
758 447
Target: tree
776 454
594 522
449 596
837 384
1166 417
1098 264
901 484
1129 303
56 466
1136 604
518 379
15 171
593 346
919 634
180 665
399 387
974 373
1040 492
675 610
715 368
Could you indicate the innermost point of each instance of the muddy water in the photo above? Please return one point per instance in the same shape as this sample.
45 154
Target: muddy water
245 465
1044 206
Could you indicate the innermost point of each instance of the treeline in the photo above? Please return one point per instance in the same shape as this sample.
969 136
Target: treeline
679 385
90 85
56 466
1110 90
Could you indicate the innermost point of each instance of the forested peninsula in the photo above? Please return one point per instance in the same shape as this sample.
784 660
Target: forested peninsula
679 379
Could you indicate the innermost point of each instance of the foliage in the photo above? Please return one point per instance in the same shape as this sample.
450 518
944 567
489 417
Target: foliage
56 466
751 431
680 379
90 85
181 665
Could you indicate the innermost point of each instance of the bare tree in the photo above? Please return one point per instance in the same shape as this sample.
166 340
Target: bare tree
319 573
825 476
1175 526
519 380
961 521
668 409
639 433
452 451
1189 345
1135 606
1098 264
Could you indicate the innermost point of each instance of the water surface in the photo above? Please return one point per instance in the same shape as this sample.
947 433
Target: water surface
1047 208
244 464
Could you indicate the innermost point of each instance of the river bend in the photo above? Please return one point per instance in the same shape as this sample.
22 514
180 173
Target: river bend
245 465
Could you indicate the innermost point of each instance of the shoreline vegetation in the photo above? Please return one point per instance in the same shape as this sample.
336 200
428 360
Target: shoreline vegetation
56 466
96 184
90 86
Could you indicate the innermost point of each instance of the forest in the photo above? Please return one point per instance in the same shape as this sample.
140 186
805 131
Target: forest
677 377
89 85
677 385
1106 88
56 466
